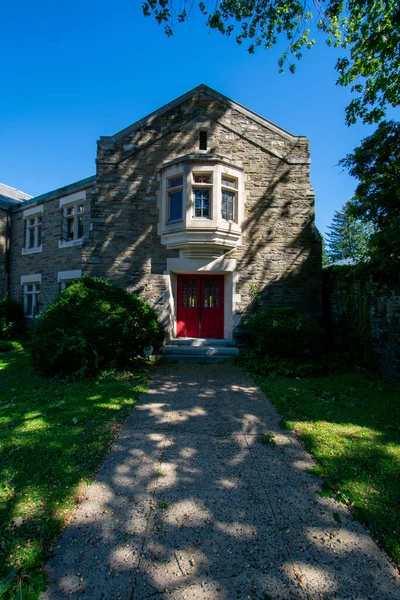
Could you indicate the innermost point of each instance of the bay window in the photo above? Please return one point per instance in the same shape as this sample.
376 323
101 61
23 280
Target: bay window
201 203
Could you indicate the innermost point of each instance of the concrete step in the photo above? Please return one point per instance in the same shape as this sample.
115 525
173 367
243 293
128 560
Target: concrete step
196 350
198 342
186 359
201 351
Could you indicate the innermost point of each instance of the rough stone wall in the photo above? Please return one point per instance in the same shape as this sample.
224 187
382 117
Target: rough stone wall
363 316
52 259
3 231
280 259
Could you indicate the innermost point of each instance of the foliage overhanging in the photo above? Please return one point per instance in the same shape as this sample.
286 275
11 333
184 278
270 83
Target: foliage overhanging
368 30
376 165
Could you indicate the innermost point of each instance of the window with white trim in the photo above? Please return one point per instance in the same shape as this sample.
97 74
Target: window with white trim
199 195
65 283
31 299
33 232
202 192
229 188
175 198
72 224
67 278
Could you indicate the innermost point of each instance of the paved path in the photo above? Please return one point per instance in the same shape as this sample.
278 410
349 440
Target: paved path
189 504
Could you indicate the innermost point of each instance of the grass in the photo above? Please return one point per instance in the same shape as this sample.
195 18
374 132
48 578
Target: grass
53 438
350 423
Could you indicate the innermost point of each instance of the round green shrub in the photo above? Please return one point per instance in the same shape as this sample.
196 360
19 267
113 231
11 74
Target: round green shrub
286 333
93 325
12 319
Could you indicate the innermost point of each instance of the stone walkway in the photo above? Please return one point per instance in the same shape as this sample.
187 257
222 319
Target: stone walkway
189 504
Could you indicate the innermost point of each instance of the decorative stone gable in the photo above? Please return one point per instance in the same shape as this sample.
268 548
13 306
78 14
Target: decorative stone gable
276 247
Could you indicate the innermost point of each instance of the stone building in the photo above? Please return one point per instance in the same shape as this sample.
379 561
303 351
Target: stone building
203 208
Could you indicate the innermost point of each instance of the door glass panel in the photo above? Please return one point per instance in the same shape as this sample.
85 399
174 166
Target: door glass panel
189 294
211 294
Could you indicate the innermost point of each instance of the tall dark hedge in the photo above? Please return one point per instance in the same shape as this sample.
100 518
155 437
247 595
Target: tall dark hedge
12 320
93 325
286 333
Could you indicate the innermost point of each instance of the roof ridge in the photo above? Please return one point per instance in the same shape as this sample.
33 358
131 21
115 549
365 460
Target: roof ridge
180 99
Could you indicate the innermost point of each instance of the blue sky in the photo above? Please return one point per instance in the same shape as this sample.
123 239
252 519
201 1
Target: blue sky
75 71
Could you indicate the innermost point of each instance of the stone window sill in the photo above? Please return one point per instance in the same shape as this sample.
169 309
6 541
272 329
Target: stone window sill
69 244
31 250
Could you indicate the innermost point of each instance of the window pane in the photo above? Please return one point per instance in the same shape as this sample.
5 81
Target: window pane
228 203
189 294
202 203
39 235
175 205
228 181
80 226
28 303
29 287
211 294
31 222
35 307
70 228
204 178
80 208
38 220
70 210
31 237
175 182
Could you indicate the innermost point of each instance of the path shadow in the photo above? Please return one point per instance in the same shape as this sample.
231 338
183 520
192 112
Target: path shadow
190 504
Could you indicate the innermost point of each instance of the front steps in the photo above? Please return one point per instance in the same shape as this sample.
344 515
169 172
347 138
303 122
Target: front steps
198 351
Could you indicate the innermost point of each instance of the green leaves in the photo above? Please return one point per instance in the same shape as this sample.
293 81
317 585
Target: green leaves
347 236
376 165
369 31
24 584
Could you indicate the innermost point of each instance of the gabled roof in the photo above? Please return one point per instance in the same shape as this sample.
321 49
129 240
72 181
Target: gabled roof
213 94
10 196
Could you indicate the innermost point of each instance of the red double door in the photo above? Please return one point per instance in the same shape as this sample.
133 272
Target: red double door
200 310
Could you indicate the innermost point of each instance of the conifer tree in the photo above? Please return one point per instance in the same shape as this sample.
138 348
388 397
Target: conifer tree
347 237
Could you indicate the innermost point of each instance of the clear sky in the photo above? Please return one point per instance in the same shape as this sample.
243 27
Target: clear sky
74 71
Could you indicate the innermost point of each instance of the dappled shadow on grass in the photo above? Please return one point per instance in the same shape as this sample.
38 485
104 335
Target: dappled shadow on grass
351 425
189 503
53 437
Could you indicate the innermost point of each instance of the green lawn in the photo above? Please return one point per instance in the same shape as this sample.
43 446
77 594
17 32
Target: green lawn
351 425
53 437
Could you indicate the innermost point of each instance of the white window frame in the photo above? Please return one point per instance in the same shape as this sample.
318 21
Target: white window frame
202 186
34 281
173 190
33 214
66 277
66 203
197 230
234 190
